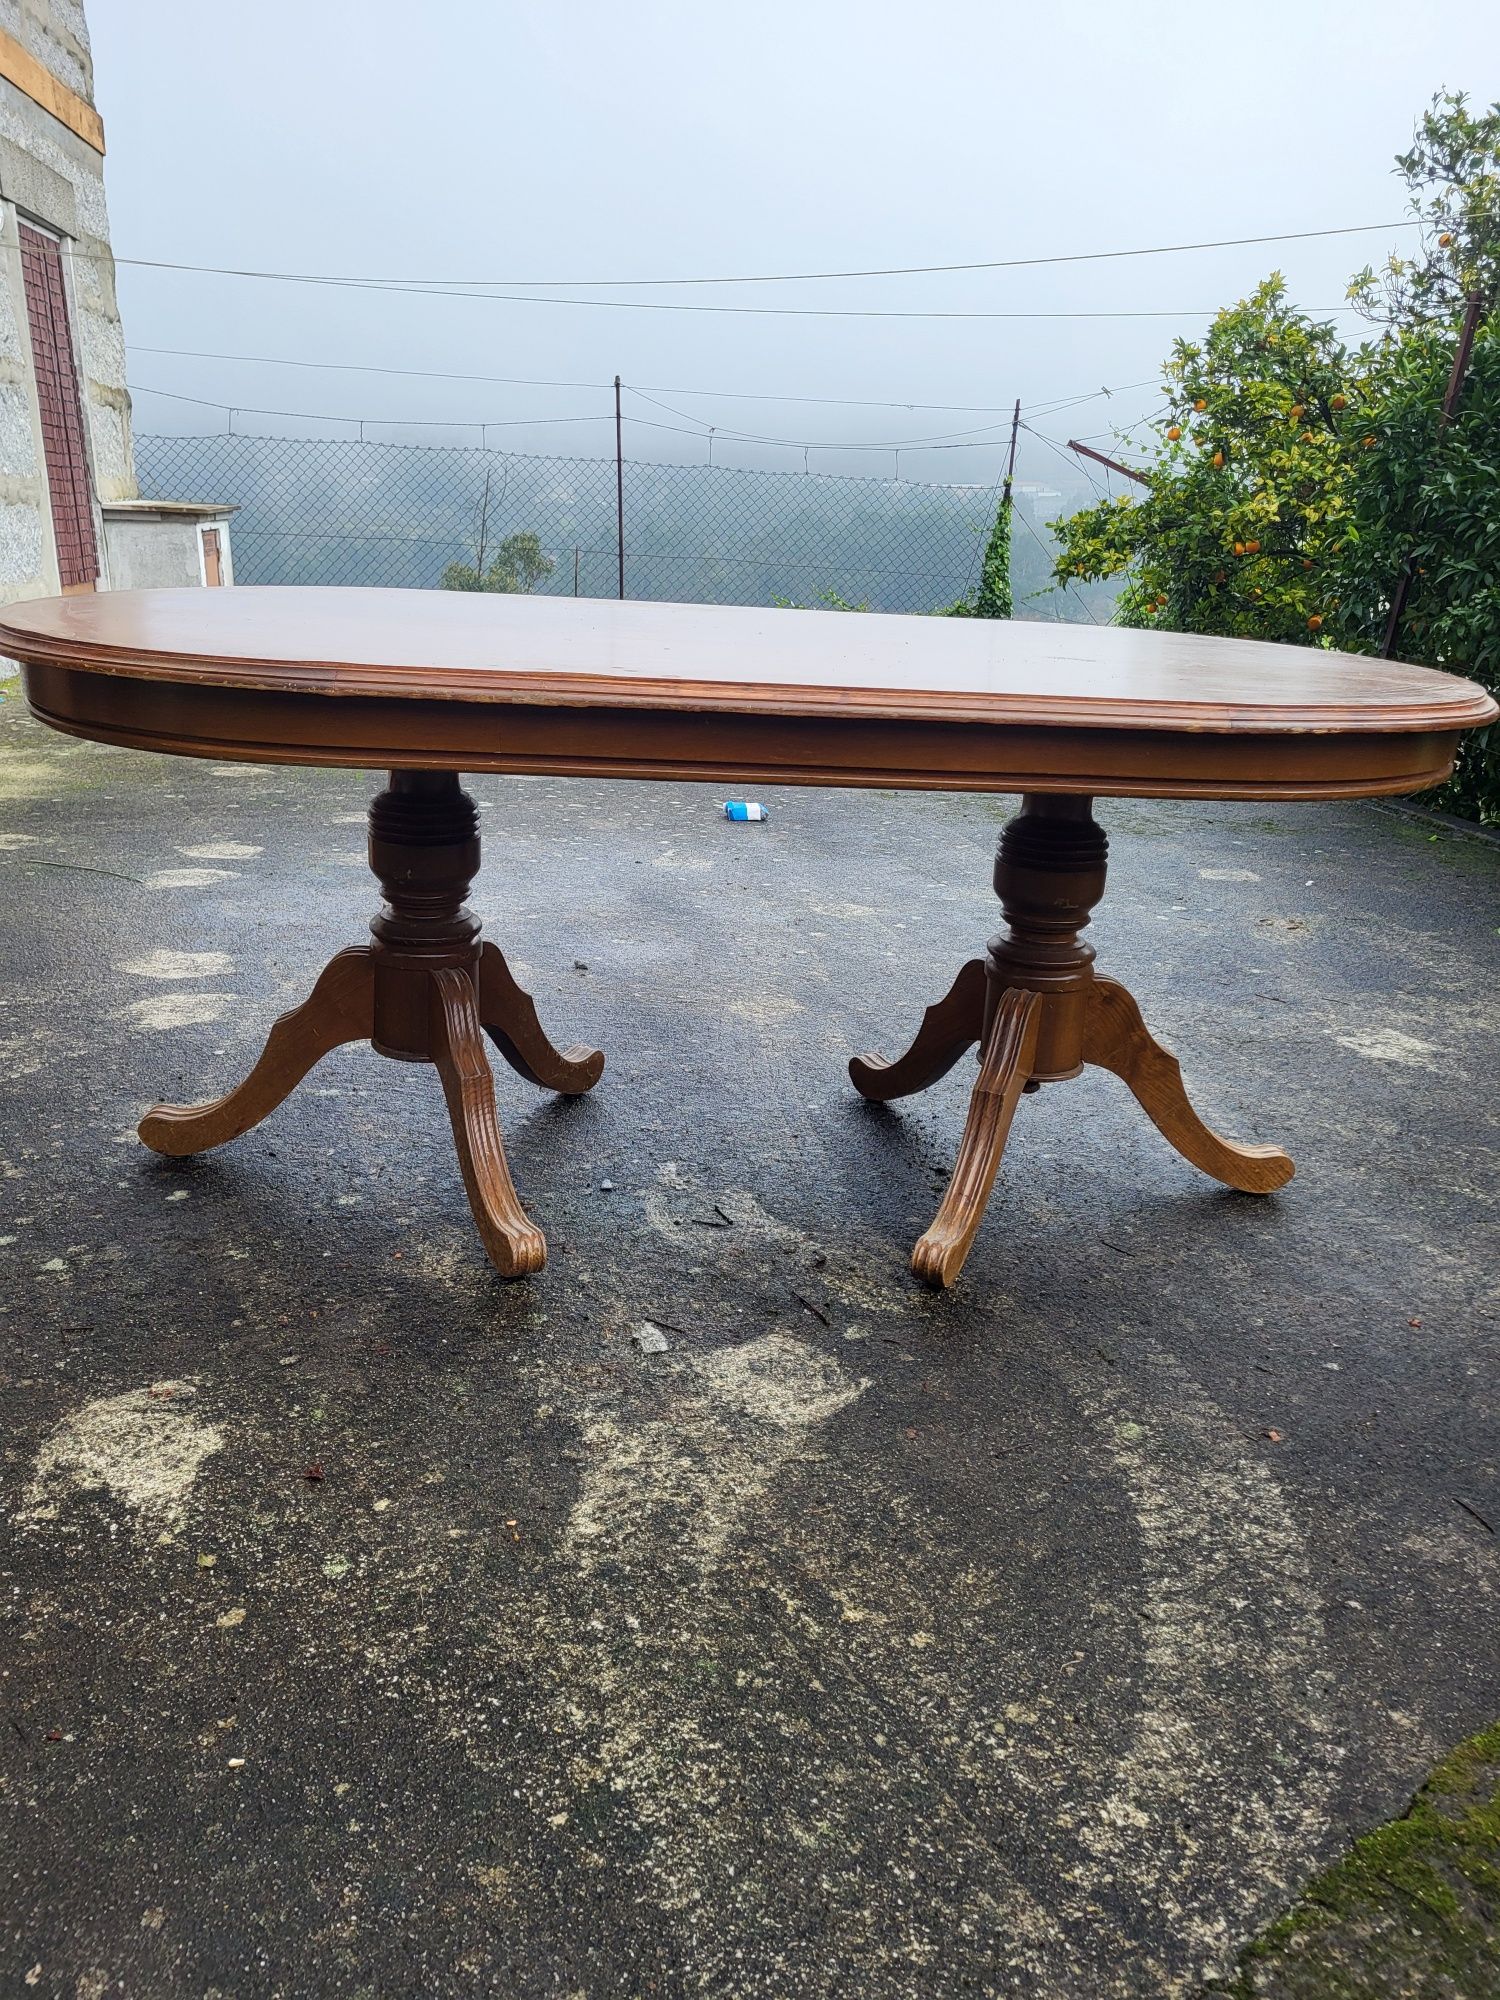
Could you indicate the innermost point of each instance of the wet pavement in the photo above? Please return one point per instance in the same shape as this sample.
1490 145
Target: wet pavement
376 1627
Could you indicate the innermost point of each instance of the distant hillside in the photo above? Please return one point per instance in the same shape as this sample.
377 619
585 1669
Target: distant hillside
326 511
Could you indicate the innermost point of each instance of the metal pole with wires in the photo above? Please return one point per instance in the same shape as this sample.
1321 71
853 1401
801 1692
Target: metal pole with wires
619 490
1010 463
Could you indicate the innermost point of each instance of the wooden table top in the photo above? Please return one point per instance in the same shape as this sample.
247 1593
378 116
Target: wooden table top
459 680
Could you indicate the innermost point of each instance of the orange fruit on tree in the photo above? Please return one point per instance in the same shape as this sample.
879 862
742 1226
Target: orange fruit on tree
1218 458
1445 239
1239 548
1338 402
1175 432
1201 404
1297 409
1252 548
1315 623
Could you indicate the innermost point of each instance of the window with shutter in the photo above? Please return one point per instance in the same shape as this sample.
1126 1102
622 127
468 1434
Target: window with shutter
61 411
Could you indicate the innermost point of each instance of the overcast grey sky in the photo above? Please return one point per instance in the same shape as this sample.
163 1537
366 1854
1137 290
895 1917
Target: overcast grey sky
457 140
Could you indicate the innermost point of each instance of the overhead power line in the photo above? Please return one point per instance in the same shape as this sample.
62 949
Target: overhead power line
792 277
411 291
945 442
536 382
977 439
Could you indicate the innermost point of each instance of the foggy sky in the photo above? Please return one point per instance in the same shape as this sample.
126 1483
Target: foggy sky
464 141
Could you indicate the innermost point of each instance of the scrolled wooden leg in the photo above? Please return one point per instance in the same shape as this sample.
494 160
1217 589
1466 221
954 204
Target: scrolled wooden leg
949 1027
339 1009
515 1245
509 1017
1003 1075
1116 1038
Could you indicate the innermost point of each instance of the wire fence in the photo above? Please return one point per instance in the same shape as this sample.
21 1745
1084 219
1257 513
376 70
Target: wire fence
357 511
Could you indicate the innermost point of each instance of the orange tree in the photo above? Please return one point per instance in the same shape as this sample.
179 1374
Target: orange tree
1243 515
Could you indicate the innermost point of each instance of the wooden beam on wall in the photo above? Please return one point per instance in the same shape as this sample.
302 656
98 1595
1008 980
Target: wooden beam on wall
36 81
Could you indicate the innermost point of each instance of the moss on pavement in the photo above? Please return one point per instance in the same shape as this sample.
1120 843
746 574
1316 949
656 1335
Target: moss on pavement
1413 1910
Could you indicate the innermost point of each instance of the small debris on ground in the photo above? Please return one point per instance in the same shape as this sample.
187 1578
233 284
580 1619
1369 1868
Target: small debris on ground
650 1339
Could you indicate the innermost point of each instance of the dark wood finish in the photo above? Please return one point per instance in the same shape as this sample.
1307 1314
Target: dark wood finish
426 990
1045 1015
950 1027
457 680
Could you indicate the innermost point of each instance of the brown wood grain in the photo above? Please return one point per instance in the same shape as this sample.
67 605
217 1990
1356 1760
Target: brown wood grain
471 681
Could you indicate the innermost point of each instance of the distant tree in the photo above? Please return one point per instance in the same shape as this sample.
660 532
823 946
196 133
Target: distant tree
518 564
830 599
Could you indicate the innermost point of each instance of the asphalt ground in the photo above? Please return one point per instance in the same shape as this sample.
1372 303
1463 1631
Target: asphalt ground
1042 1637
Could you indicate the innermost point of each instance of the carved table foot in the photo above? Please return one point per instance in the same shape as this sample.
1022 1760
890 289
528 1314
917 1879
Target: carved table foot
426 990
1116 1038
1003 1075
949 1027
1040 1015
340 1008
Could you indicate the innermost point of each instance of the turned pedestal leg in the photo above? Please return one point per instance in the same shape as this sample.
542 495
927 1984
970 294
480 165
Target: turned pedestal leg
426 990
1039 1015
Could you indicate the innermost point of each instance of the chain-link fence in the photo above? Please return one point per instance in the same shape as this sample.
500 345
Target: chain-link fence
361 512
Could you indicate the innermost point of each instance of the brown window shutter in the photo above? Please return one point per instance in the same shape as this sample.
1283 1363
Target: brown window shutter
61 410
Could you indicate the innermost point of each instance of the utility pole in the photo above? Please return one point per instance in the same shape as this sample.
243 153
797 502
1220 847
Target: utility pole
1473 313
619 490
1088 451
575 569
1010 463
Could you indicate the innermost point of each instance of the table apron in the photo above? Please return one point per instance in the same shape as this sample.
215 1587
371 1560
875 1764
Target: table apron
364 732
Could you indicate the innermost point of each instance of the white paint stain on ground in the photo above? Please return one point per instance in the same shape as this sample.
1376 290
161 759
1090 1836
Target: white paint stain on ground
160 1013
1228 875
221 850
145 1448
1389 1045
10 842
1227 1600
188 878
736 1416
179 965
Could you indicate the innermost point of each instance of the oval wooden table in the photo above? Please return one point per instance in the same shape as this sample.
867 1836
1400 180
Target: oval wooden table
426 684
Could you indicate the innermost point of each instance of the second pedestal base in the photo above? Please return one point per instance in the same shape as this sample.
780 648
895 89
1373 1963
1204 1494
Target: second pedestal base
1040 1014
